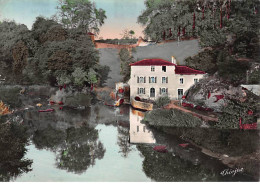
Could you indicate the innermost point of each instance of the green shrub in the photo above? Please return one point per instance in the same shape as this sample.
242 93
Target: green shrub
171 118
162 101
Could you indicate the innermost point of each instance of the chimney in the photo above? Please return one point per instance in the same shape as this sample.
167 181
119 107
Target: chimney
174 60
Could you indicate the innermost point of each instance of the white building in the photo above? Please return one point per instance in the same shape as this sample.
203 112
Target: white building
152 78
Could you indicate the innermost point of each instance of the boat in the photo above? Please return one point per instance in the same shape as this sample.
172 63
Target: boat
141 104
47 110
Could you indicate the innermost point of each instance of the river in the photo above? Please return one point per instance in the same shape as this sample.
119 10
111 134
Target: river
105 143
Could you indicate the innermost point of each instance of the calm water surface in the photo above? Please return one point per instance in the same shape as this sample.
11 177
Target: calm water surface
110 144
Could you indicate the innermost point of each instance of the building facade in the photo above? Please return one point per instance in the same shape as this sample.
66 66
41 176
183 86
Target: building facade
152 78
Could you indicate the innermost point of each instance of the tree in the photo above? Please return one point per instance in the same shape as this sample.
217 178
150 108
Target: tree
212 21
230 69
79 77
81 14
204 61
125 34
126 60
131 32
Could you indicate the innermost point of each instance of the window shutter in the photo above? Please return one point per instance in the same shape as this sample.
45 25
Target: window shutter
155 79
144 79
166 79
149 79
138 79
166 90
160 90
144 90
138 90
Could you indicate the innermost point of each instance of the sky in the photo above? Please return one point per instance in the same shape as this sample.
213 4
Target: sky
121 14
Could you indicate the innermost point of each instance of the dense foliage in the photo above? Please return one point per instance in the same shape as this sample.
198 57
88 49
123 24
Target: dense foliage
205 61
48 54
171 118
81 14
236 110
229 28
162 101
212 21
126 59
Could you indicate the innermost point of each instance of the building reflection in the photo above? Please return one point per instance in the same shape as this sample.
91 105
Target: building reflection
139 133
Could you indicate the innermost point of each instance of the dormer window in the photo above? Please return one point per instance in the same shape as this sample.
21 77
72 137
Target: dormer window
181 80
152 68
164 68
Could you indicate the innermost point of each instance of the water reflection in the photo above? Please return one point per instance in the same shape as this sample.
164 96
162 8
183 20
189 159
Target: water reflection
80 149
95 144
68 134
13 140
139 133
179 164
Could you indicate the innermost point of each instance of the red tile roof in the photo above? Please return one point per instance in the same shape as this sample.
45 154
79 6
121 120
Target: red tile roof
160 62
184 70
89 33
152 62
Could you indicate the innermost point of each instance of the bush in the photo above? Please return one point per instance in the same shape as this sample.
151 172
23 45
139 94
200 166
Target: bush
171 118
162 101
235 110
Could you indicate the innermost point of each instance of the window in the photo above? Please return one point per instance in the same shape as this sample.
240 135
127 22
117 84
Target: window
164 68
196 80
144 128
152 68
137 128
180 92
152 79
141 90
163 90
181 80
140 79
164 80
152 92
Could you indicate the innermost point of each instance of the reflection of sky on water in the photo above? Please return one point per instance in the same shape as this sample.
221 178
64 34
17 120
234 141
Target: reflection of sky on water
113 167
121 14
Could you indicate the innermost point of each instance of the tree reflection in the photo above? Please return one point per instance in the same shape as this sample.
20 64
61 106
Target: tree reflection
13 139
80 150
48 138
122 140
166 167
